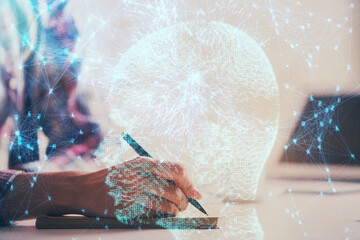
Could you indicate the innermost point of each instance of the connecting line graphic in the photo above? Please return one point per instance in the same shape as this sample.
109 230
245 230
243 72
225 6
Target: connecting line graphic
193 74
157 80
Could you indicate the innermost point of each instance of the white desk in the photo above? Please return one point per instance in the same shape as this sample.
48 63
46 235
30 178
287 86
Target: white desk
301 214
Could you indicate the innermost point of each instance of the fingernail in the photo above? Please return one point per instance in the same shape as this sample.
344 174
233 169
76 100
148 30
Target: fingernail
197 194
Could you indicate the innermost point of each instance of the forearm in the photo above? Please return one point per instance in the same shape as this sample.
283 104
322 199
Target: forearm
99 194
33 195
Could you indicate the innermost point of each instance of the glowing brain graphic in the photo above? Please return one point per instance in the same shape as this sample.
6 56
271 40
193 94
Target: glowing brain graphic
202 93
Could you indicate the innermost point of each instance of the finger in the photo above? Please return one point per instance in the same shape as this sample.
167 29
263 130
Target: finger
174 172
168 191
158 204
166 170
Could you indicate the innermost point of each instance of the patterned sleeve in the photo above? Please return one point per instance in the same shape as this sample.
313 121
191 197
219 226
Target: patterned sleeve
6 179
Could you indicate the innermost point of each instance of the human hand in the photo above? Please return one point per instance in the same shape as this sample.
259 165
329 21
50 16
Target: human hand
137 188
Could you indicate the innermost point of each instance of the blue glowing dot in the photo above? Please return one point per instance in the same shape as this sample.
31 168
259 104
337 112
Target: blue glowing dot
51 90
294 140
26 212
303 123
353 156
308 151
83 210
49 198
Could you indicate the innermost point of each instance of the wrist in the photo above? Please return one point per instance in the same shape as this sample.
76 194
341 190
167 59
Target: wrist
92 197
66 192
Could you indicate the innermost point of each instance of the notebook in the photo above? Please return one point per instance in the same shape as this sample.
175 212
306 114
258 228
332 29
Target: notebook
82 222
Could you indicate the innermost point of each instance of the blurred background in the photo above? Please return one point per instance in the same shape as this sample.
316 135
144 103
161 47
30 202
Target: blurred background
313 46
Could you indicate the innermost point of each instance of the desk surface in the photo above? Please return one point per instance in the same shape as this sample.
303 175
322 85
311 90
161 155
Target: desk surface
287 210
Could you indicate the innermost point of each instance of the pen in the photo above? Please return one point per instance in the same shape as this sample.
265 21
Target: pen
141 151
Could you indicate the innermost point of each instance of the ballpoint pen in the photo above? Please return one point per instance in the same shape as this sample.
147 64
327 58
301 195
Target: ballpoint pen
141 151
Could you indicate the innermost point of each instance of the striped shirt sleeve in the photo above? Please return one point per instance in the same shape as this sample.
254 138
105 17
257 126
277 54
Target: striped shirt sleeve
6 179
